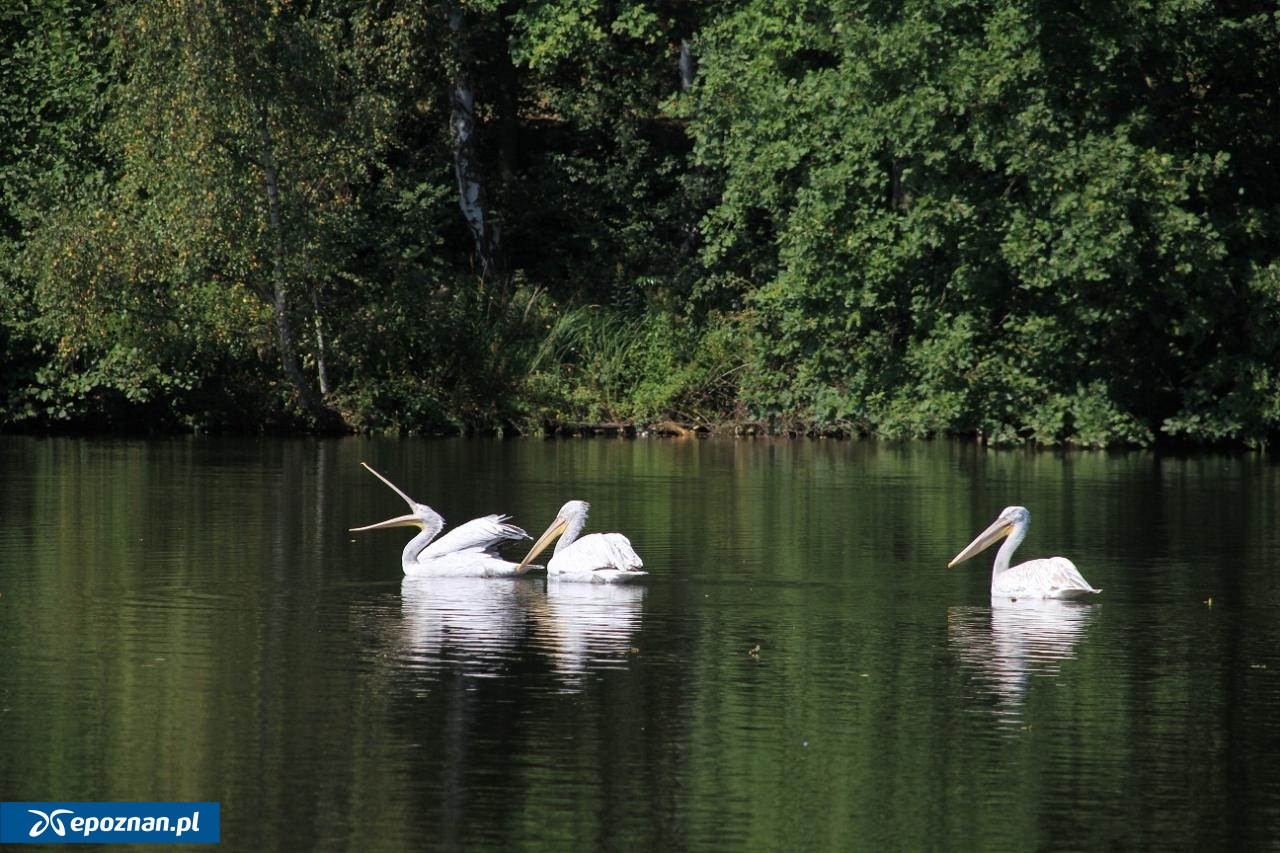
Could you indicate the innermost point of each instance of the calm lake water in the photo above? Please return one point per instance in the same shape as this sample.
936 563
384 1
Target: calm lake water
191 620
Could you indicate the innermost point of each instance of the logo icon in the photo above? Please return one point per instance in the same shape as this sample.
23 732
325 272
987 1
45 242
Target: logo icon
48 820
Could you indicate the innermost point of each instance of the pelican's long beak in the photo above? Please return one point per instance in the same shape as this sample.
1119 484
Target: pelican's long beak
548 536
393 486
999 529
398 521
410 520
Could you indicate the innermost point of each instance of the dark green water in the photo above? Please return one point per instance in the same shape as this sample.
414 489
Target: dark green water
190 620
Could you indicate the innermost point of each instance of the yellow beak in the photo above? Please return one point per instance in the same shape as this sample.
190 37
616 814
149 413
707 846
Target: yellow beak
398 521
548 536
999 529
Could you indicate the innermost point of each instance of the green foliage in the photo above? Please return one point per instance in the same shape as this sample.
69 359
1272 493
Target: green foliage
1029 223
456 360
594 210
992 219
53 68
601 367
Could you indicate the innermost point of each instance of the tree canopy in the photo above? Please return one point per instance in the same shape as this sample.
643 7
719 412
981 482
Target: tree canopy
1045 223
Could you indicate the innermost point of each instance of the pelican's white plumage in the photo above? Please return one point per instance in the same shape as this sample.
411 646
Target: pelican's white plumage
469 550
1048 577
595 558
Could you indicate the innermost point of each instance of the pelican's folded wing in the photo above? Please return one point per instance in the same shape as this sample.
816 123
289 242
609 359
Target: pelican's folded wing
1050 577
612 551
487 535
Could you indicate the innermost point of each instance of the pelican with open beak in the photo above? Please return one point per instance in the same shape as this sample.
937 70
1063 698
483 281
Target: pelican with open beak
595 558
1048 577
469 550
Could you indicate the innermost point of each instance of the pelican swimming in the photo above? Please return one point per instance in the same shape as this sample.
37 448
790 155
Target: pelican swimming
469 550
1050 577
595 558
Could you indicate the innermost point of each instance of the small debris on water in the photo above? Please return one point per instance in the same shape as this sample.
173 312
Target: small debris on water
754 651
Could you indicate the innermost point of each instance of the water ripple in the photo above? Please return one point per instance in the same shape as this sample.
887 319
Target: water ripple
1005 645
588 626
479 623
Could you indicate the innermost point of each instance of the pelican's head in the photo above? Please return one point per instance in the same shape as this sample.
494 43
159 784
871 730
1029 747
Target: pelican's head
574 510
571 515
1011 518
420 515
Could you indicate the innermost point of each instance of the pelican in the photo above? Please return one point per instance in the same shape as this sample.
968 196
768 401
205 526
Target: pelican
469 550
595 558
1049 577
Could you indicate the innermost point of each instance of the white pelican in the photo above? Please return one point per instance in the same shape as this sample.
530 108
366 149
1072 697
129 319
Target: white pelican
1050 577
469 550
595 558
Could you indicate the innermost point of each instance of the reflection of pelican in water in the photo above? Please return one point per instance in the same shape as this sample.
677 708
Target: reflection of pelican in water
1014 640
469 550
595 558
589 625
465 619
1050 577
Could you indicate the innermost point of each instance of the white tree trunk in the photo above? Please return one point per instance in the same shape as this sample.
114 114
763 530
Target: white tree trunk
462 124
688 65
322 368
279 277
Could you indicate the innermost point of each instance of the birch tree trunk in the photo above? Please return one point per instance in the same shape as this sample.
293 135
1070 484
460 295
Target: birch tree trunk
279 273
471 196
688 65
322 368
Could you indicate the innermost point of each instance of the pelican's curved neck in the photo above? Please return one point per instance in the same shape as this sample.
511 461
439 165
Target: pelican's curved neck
431 528
572 531
1011 543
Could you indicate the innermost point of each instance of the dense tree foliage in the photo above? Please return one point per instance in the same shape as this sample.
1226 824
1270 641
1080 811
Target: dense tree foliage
1051 223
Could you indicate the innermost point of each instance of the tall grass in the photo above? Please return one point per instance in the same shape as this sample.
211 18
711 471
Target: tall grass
597 366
